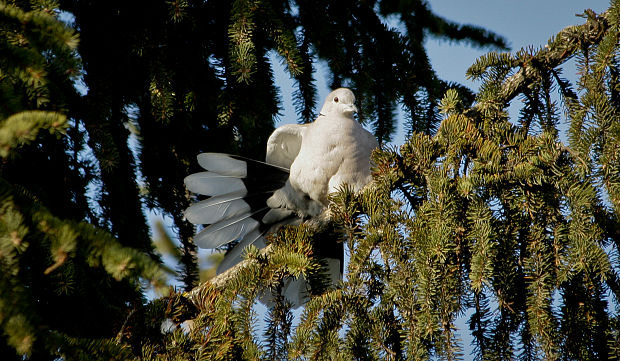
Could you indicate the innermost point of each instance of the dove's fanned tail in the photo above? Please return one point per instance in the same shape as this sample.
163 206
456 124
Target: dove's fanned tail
238 189
236 210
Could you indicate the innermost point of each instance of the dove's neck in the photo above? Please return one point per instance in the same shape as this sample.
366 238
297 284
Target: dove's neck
335 115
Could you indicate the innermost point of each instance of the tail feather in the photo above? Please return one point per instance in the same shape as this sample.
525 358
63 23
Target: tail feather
256 238
223 164
296 290
238 166
235 255
214 184
217 208
227 230
276 215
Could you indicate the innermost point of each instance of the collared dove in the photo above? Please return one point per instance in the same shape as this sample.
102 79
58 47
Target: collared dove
304 164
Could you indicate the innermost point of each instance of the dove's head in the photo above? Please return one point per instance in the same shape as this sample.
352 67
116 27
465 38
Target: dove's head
340 101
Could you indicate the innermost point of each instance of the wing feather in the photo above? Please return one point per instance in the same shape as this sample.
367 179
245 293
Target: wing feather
284 144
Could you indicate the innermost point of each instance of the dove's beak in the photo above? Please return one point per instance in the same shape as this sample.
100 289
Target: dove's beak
351 108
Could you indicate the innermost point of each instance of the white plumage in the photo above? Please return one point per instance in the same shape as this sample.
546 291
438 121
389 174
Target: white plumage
304 164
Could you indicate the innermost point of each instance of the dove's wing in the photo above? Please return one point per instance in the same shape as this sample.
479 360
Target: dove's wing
284 144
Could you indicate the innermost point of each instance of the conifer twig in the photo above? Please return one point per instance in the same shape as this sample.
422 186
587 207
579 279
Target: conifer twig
563 46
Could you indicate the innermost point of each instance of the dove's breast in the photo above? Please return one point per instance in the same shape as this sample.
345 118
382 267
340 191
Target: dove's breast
333 152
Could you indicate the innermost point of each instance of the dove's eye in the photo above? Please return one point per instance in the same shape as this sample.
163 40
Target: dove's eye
336 99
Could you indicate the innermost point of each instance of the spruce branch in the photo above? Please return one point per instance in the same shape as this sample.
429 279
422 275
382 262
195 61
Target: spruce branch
559 49
23 127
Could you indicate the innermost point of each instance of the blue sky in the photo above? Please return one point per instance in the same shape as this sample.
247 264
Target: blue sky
523 23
